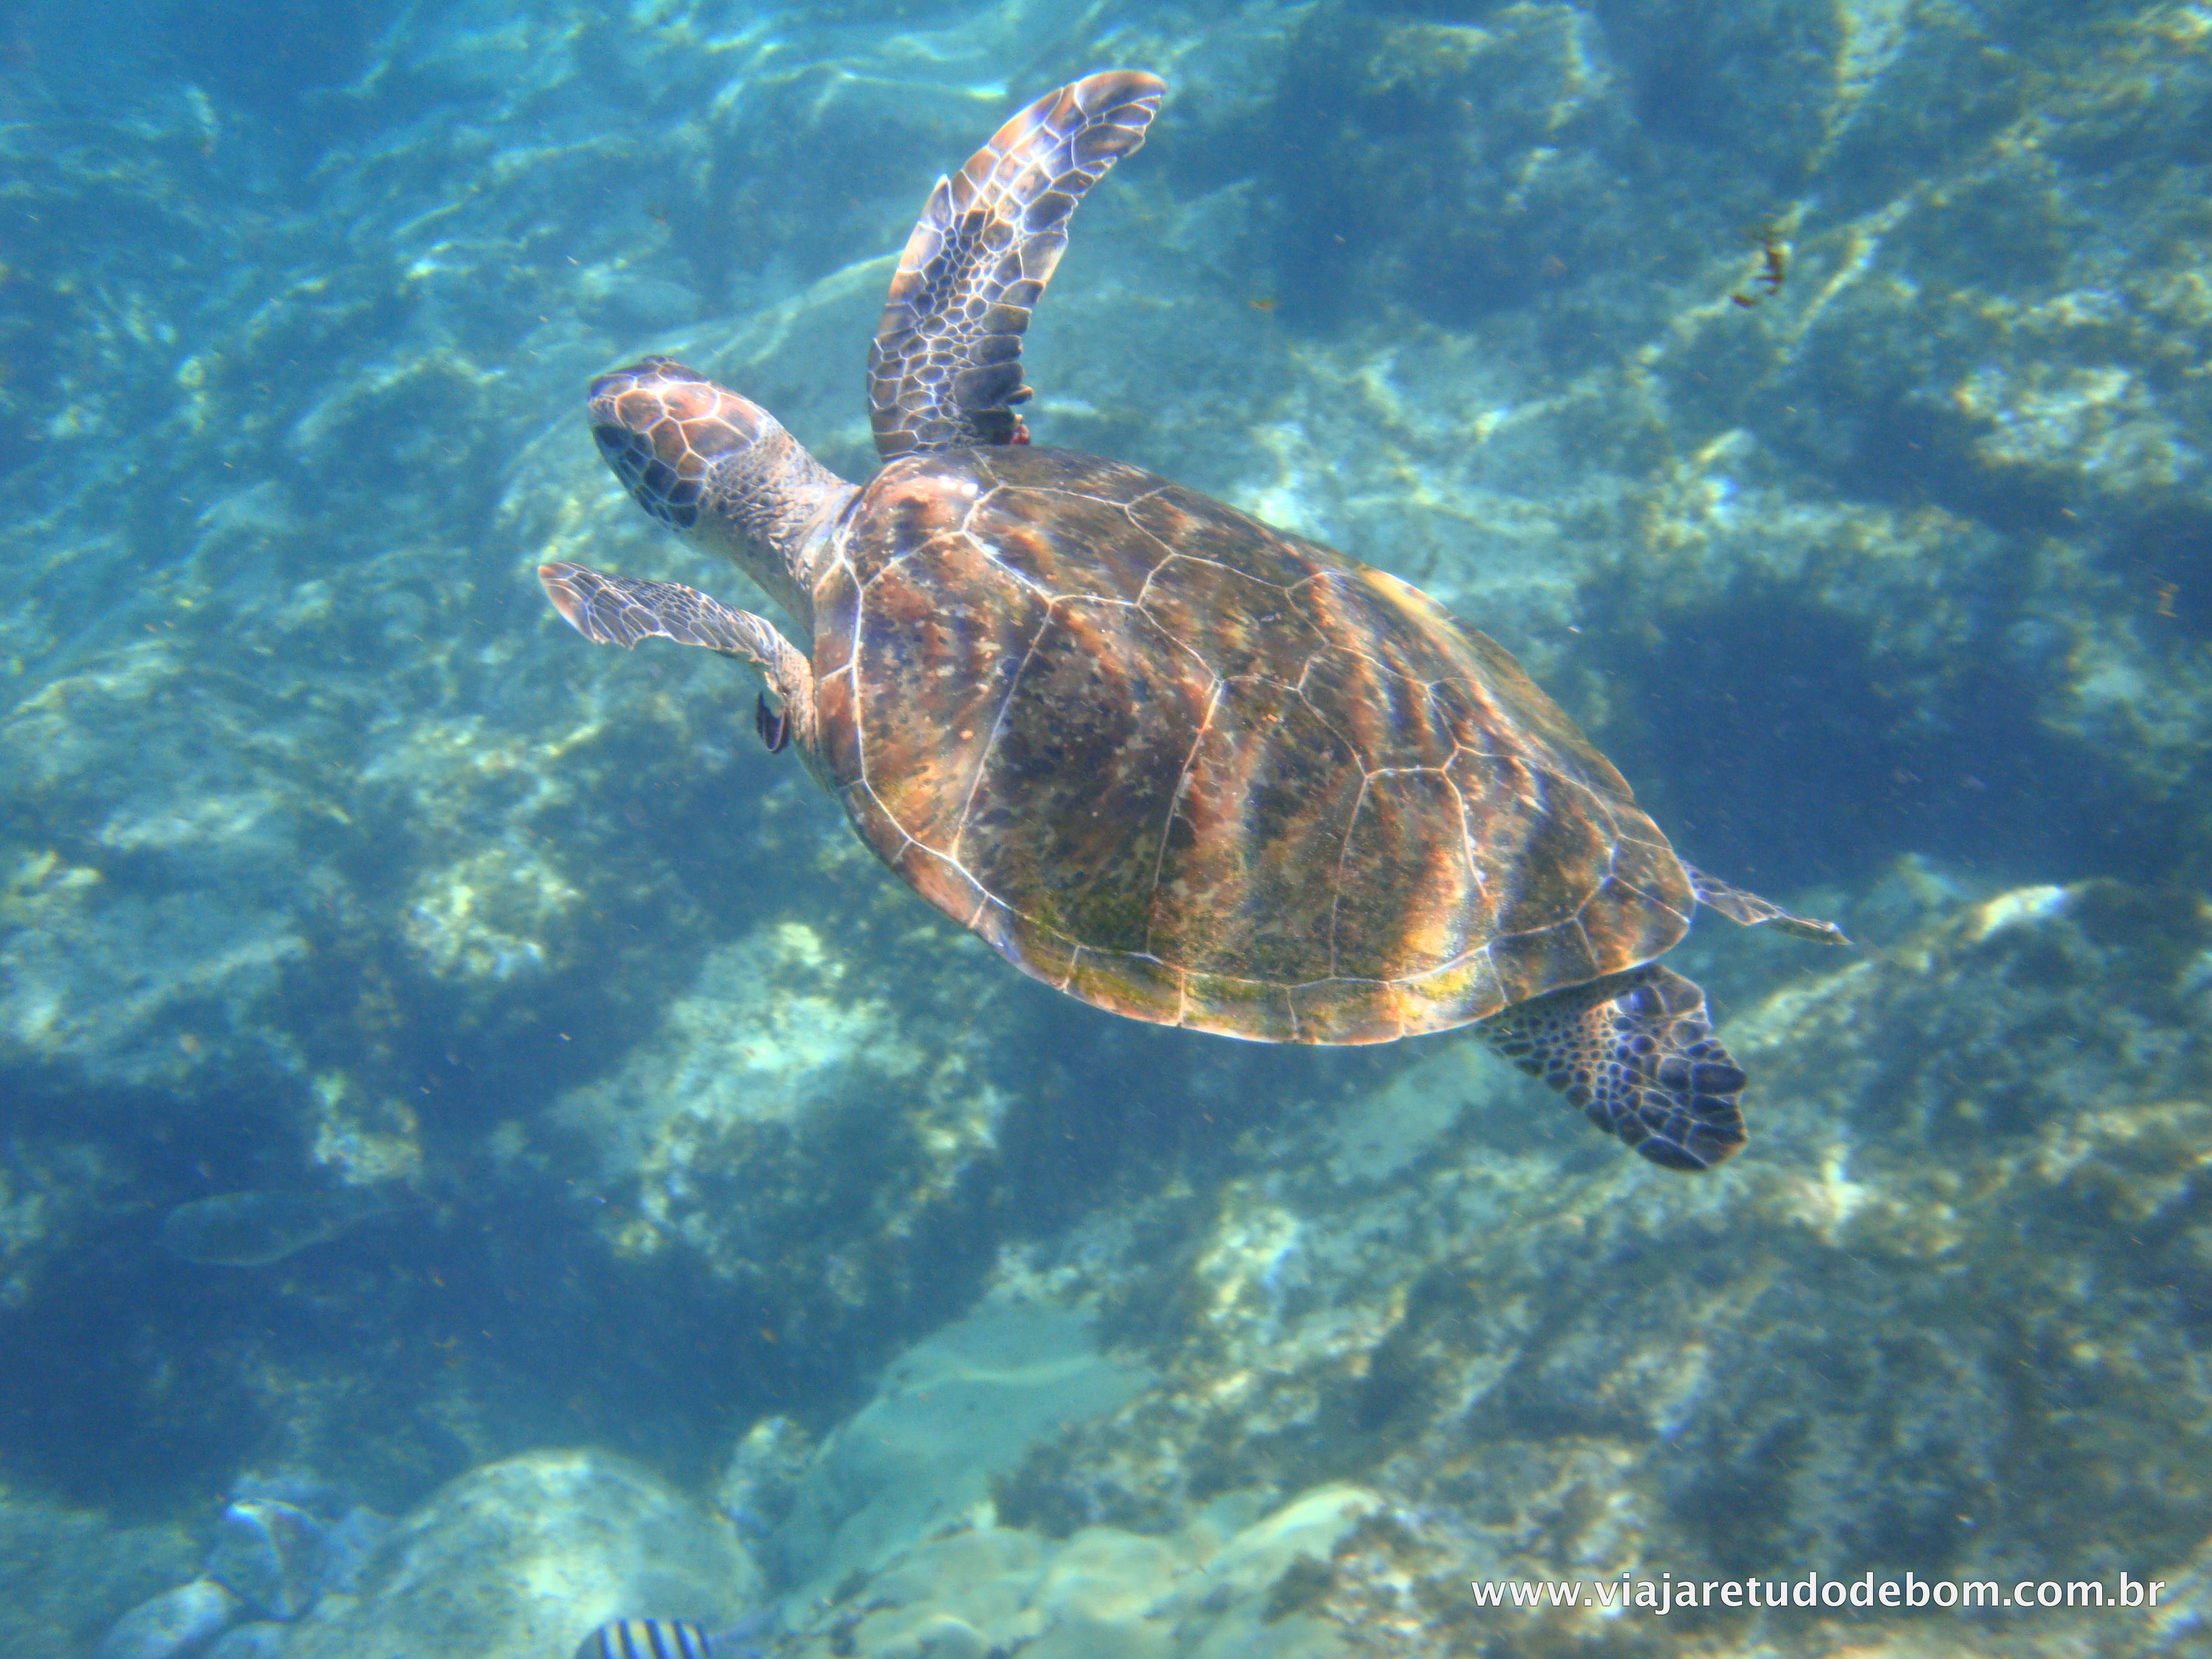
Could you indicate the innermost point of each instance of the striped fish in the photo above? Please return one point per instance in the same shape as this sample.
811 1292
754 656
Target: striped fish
647 1638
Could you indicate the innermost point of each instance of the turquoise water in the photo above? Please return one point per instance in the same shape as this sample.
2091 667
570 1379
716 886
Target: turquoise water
1811 393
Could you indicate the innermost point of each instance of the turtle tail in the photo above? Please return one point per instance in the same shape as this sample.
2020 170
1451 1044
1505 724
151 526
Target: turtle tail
1637 1052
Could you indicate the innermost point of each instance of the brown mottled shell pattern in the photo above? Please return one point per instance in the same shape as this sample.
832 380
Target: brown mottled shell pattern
1195 770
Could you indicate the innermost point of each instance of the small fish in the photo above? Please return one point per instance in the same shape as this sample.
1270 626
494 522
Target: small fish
253 1228
673 1639
1773 263
647 1638
1774 259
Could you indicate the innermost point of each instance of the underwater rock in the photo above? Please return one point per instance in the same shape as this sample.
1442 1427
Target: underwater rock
114 985
1238 1579
67 1574
952 1411
758 1484
519 1559
173 1624
798 1049
490 918
50 1187
259 1640
350 1544
254 1229
271 1555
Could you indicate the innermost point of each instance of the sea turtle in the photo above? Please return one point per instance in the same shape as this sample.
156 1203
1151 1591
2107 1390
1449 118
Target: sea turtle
1168 759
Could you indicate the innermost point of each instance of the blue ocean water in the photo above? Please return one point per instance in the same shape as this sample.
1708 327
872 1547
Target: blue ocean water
485 1150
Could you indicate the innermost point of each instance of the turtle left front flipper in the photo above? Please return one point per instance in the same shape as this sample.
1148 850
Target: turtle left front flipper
621 611
1637 1052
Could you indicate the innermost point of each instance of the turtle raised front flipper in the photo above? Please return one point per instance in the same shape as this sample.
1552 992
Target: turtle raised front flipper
1637 1052
1749 910
620 611
945 370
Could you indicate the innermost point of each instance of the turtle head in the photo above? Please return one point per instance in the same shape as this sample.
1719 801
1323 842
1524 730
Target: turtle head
719 470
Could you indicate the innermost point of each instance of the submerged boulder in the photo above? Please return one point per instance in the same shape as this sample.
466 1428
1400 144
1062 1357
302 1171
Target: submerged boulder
172 1624
521 1558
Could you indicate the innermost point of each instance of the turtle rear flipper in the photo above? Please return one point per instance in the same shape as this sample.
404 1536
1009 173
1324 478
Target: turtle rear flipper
620 611
1749 910
945 370
1637 1052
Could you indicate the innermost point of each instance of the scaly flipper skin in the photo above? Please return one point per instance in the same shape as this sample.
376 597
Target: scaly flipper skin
944 371
1749 910
1637 1052
617 611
